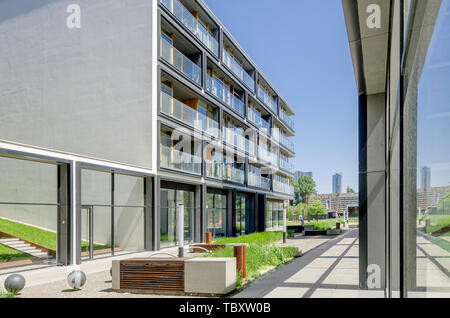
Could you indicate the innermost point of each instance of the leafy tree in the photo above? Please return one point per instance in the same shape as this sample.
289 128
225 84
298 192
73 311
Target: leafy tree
444 204
315 209
294 212
350 190
303 188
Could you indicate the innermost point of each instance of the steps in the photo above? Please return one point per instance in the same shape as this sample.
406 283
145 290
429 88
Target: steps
26 248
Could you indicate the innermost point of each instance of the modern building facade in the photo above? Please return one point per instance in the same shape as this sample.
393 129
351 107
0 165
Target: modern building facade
299 174
337 183
425 177
401 61
106 129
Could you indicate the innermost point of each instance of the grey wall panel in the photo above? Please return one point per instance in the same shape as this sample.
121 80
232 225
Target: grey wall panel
85 91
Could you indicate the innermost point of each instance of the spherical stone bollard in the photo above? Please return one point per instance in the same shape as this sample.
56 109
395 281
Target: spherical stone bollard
14 283
76 279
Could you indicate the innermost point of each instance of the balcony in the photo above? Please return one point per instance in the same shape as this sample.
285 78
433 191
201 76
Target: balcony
234 175
233 139
176 109
223 93
268 156
237 69
214 169
256 118
186 18
180 161
285 141
286 165
171 55
283 188
262 94
286 119
258 181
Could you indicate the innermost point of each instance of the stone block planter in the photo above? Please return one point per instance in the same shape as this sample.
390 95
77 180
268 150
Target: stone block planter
296 228
315 233
210 275
175 276
309 227
333 232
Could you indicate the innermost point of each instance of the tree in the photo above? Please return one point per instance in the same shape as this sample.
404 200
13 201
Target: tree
444 204
350 190
294 212
303 188
315 209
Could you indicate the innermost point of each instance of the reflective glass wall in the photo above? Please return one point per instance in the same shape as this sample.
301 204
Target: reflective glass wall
216 207
171 199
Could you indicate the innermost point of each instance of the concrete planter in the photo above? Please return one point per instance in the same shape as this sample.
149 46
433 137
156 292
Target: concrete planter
315 233
309 227
333 232
175 276
210 275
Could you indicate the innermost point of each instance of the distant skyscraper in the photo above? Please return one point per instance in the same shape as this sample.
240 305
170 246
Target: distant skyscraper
426 177
337 183
299 174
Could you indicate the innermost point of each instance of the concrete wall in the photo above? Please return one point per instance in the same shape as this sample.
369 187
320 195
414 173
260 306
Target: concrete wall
78 90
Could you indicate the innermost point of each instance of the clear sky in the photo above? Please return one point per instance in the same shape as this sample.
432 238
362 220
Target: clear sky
302 48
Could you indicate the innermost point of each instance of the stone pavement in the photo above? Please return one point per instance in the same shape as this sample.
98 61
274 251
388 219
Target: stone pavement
327 271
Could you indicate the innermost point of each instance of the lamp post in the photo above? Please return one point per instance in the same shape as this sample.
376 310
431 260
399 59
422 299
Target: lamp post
181 230
284 225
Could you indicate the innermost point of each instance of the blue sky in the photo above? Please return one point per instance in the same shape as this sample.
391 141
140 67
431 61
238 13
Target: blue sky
302 48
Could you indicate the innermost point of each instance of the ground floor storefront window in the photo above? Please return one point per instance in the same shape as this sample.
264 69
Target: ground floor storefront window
242 214
274 215
171 199
216 207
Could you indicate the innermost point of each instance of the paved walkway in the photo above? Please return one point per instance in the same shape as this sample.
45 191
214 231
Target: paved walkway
330 270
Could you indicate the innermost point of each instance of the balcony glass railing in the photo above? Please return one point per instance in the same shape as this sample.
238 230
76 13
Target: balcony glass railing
285 141
283 188
251 149
214 169
182 112
185 17
286 119
180 62
258 181
269 101
256 118
223 93
268 156
233 174
286 165
181 161
237 69
232 138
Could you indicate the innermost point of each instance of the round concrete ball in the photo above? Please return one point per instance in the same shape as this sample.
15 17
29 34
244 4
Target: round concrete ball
14 283
76 279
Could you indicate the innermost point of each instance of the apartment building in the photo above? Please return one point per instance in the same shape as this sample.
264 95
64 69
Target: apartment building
106 129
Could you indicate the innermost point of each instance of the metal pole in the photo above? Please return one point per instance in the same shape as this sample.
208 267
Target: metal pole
303 218
181 230
284 225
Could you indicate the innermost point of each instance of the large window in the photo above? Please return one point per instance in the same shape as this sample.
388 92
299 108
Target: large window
274 215
242 215
112 213
216 207
171 199
28 213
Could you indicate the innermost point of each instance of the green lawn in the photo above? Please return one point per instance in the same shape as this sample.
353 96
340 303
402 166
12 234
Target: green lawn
35 235
8 255
438 222
261 252
325 224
